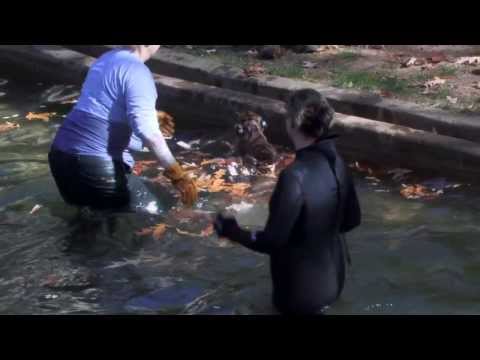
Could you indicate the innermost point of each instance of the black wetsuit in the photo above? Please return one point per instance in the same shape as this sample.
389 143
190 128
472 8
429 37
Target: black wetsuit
303 234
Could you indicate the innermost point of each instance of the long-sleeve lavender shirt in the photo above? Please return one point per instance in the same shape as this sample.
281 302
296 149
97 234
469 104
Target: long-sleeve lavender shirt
115 111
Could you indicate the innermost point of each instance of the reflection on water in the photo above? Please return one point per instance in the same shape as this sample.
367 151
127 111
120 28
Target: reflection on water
409 256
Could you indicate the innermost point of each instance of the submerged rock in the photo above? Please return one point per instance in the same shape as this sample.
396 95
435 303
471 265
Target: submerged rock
170 299
77 279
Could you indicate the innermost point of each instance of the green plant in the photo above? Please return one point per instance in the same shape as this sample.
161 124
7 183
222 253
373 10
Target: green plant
286 70
369 81
347 56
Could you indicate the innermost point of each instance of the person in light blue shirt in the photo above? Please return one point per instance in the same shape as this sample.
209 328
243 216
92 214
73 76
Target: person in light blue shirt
115 113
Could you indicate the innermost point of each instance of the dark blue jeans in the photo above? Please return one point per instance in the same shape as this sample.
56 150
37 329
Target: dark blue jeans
90 180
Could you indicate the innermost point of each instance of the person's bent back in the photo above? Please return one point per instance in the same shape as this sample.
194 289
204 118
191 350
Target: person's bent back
116 113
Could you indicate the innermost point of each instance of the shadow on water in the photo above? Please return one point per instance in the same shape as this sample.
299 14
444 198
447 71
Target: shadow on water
409 256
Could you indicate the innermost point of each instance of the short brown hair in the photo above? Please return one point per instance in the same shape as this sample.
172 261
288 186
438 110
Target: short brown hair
310 112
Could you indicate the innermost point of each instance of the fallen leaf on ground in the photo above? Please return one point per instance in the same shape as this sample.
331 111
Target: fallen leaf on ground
419 192
309 65
211 51
427 67
254 70
468 60
452 100
252 52
40 116
436 82
7 126
413 61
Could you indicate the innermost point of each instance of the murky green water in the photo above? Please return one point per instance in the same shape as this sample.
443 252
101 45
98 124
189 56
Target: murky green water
409 256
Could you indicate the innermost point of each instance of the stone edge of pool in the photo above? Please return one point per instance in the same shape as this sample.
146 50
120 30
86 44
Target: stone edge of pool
365 139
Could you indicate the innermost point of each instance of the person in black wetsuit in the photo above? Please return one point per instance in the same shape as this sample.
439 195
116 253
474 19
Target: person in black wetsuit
313 204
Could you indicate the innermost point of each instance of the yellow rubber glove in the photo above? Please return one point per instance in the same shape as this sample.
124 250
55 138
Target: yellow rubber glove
167 126
183 183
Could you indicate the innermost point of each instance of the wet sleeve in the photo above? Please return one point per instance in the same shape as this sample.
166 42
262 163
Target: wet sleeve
285 206
140 100
352 213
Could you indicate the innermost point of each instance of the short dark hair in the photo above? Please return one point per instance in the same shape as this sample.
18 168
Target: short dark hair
310 112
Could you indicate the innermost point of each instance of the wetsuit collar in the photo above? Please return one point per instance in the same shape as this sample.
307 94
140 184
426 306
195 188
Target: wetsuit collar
319 143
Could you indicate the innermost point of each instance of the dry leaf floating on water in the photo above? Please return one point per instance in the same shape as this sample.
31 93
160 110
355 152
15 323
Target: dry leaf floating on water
8 126
40 116
159 231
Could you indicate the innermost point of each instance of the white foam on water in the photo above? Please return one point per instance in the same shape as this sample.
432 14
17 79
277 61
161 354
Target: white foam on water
152 208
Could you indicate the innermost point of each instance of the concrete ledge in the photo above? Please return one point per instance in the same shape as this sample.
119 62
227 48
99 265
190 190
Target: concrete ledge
206 71
48 61
209 105
406 147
